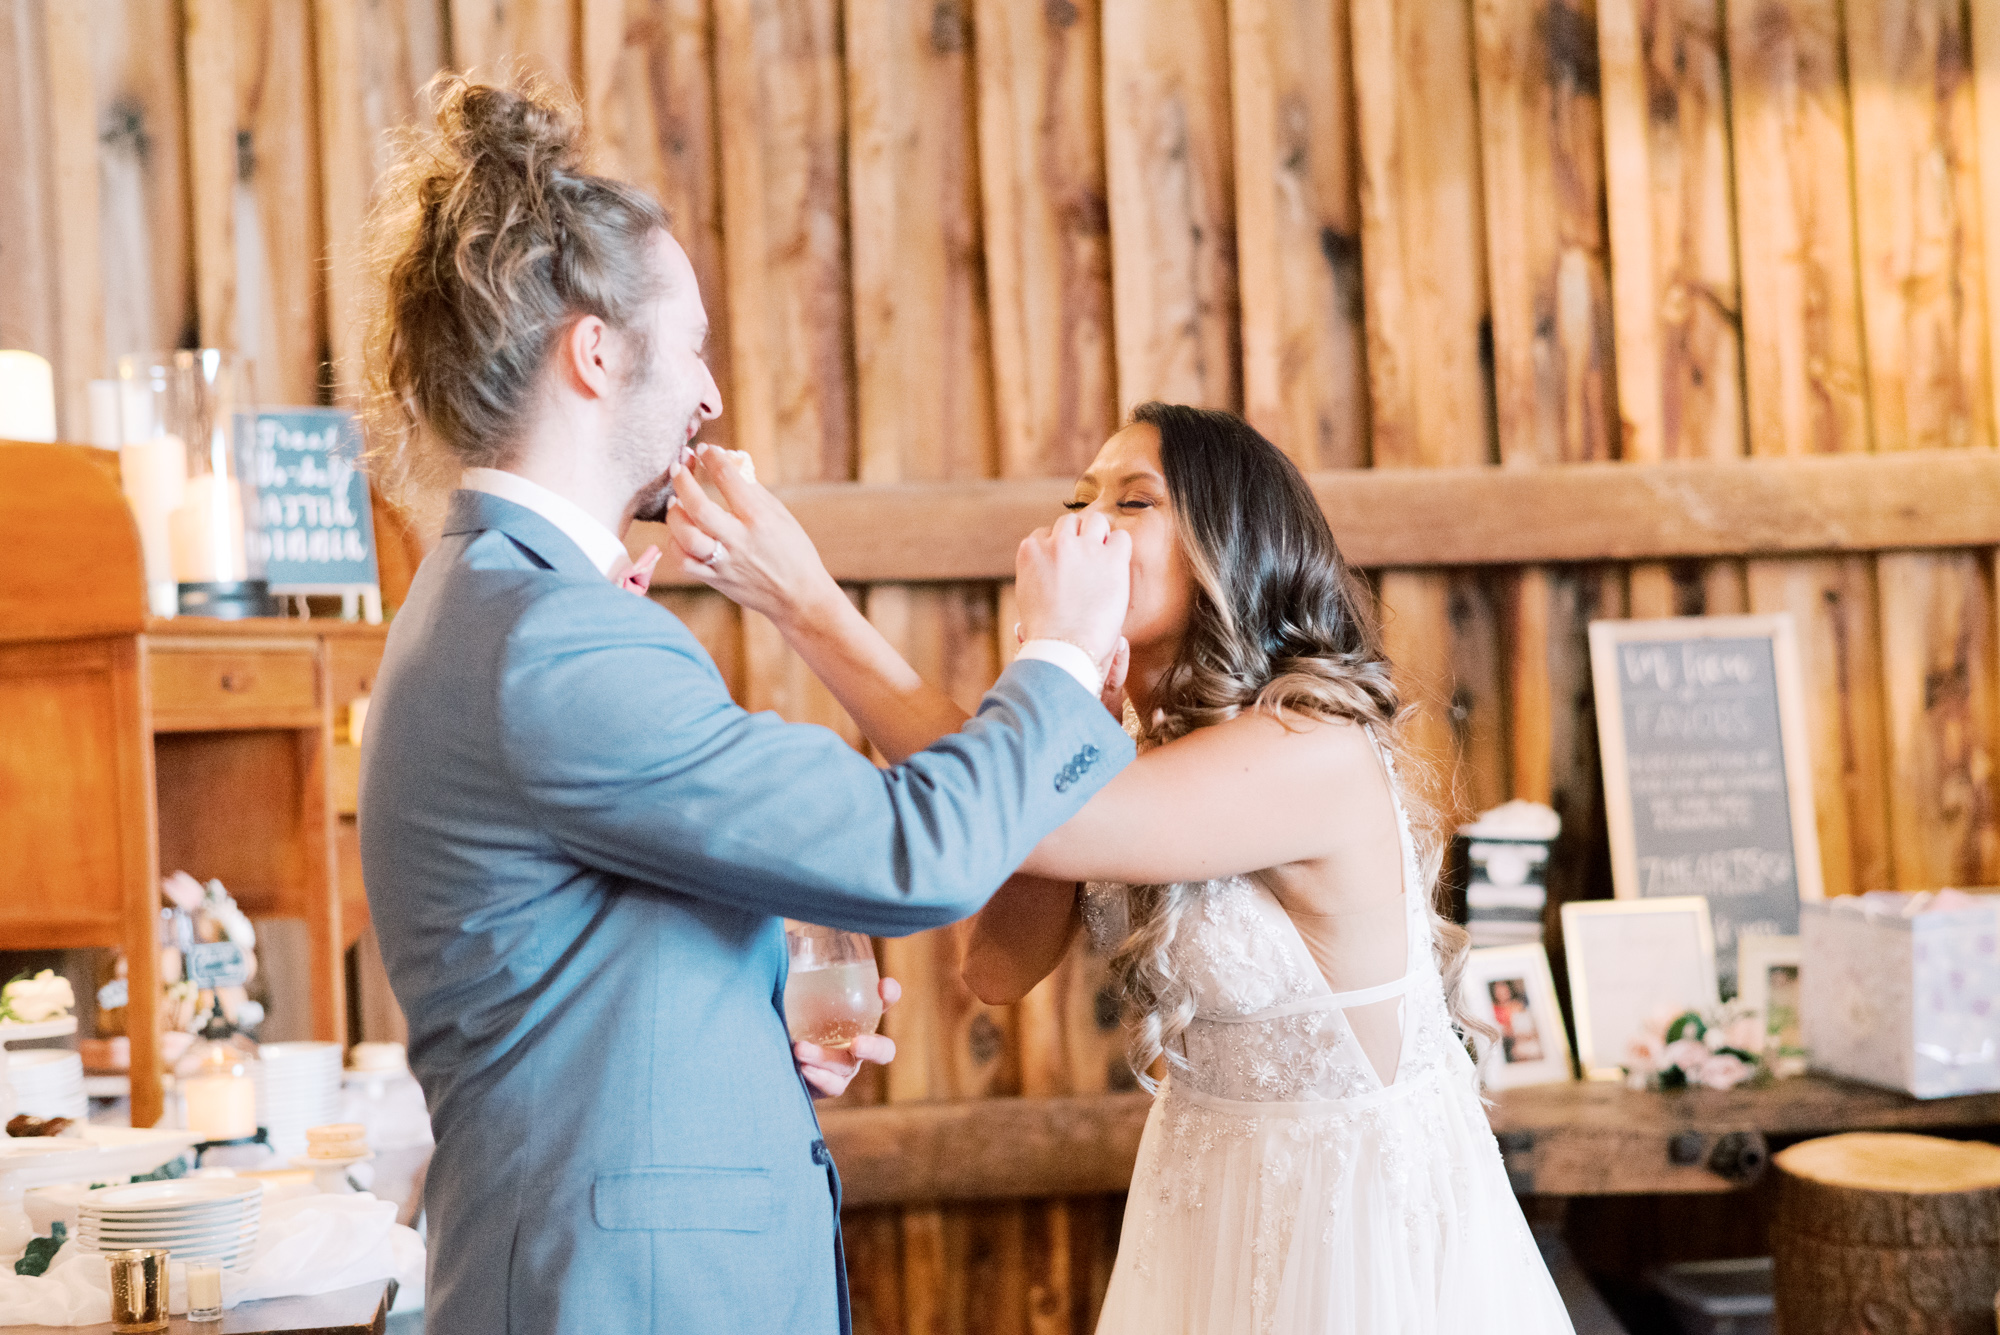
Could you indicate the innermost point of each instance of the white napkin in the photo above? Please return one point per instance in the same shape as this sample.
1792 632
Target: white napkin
306 1244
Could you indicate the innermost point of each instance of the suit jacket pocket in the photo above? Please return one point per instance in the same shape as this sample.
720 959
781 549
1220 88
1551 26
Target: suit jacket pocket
730 1200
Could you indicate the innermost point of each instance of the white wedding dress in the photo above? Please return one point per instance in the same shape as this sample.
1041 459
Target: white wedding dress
1282 1188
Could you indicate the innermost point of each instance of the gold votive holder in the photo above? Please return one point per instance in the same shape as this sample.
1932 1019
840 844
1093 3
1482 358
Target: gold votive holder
138 1290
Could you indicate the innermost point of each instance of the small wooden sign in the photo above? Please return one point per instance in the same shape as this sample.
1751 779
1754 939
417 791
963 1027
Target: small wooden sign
1707 782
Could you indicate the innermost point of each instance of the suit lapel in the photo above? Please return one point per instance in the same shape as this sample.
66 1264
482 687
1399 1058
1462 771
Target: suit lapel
477 511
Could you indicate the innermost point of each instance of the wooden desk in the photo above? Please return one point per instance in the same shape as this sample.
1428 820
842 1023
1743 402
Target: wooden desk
361 1310
132 745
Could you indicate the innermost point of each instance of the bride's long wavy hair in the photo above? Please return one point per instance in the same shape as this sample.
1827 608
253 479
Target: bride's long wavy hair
1278 624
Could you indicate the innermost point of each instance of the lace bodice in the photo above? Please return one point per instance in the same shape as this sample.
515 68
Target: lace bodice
1268 1027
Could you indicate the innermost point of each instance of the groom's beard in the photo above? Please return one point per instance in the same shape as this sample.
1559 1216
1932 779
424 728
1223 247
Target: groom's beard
652 427
650 503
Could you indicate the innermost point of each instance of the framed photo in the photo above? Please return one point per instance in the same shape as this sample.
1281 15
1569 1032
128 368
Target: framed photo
1510 988
1707 781
1630 959
1767 971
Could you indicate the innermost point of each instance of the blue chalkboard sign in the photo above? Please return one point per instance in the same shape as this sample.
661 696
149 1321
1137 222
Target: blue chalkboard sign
319 532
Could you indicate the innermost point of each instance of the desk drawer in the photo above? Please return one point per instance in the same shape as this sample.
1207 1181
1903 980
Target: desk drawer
201 687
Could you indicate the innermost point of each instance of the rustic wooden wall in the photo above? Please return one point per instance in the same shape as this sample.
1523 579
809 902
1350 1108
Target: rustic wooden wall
950 241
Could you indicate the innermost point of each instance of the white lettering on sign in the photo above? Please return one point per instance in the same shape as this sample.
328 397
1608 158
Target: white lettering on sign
1694 667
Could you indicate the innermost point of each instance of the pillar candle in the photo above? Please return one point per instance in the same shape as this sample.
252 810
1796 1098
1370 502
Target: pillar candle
221 1107
207 533
154 474
27 398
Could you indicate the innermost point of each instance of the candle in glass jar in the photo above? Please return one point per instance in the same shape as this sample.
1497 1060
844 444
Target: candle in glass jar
204 1291
221 1107
207 532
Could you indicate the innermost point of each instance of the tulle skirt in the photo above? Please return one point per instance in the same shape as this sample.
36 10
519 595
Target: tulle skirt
1386 1214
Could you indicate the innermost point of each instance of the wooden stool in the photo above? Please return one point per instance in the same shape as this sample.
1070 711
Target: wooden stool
1887 1233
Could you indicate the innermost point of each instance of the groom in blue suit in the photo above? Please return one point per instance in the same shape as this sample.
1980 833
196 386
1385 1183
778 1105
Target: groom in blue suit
578 849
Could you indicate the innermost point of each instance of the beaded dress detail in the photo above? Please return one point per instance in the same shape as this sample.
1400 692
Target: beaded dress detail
1283 1184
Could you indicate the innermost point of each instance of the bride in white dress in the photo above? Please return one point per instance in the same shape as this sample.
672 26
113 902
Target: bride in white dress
1318 1159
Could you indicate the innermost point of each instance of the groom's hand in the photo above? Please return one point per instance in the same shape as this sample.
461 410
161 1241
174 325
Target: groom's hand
829 1072
1073 582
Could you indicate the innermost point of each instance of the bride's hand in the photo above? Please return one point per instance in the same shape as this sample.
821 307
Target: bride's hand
758 555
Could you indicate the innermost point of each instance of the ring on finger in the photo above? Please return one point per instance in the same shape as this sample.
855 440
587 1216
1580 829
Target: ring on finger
715 554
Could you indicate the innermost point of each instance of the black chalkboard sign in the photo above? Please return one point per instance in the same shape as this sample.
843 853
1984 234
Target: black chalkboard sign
1707 784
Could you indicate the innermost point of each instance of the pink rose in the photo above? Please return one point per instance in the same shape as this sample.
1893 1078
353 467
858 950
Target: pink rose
1744 1033
1721 1071
1688 1054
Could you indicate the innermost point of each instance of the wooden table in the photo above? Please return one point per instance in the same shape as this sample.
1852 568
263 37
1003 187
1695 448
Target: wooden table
361 1310
1580 1139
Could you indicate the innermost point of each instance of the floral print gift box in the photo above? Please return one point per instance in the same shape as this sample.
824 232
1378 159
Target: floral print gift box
1903 990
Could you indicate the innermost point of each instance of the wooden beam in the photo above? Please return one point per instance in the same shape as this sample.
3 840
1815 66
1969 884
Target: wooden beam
1582 1139
209 44
1913 500
1047 232
1423 265
79 260
986 1149
1167 145
1803 364
1298 228
1577 1139
780 106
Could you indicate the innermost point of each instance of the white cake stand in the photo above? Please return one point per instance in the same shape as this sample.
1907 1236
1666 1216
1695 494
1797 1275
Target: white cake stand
102 1154
12 1032
330 1175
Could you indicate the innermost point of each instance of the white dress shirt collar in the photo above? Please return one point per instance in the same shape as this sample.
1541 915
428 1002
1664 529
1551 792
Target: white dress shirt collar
600 545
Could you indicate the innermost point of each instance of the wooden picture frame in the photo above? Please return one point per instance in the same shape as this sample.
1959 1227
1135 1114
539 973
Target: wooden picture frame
1709 823
1757 958
1627 960
1524 970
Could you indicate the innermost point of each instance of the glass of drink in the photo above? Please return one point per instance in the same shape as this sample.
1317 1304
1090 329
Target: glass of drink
833 994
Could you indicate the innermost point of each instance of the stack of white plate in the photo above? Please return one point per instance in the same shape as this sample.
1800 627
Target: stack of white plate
298 1085
202 1219
48 1082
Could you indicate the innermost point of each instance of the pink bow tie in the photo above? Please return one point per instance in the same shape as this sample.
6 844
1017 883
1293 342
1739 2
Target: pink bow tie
637 575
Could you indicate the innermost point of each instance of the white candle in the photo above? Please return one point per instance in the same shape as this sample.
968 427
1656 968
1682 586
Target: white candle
154 473
204 1287
221 1107
27 398
207 533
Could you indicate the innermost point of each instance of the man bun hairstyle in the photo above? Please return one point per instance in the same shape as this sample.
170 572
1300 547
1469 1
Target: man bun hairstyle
489 241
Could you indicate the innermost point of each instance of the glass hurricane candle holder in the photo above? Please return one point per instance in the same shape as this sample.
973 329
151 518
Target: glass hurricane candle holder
202 399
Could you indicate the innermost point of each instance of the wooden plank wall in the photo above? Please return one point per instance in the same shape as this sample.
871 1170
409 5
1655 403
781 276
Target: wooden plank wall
947 241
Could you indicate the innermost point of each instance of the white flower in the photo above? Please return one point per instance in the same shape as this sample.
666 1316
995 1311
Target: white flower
1686 1053
33 1000
1742 1033
1720 1071
182 891
235 924
1643 1053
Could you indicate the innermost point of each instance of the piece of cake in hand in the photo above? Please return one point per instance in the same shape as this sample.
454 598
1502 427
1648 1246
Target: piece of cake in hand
341 1140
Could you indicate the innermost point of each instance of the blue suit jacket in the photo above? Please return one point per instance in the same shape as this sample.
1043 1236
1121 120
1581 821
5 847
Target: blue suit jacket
577 851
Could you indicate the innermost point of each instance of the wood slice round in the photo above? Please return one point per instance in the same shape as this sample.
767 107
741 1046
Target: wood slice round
1887 1233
